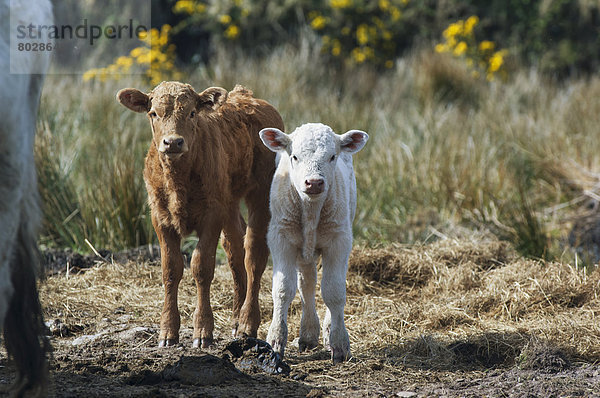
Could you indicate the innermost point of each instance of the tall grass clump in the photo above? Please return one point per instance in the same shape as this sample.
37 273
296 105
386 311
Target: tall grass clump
90 158
446 149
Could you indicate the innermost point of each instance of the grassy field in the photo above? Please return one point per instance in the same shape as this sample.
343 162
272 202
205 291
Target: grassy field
447 152
461 180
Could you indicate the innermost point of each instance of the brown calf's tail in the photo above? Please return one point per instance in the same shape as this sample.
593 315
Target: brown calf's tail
24 328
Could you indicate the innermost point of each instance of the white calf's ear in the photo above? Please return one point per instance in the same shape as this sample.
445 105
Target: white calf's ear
353 141
275 139
134 99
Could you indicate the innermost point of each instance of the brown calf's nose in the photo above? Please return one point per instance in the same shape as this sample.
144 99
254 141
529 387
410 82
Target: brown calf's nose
173 143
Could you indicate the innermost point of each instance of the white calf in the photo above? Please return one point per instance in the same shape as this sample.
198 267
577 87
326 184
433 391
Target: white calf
313 201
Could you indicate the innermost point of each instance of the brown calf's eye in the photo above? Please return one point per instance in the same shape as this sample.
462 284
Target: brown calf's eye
192 114
152 114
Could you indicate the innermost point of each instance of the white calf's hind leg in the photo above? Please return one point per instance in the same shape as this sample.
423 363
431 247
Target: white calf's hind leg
284 290
309 325
326 329
333 290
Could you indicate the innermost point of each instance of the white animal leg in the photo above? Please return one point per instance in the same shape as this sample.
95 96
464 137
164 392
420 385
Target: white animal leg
326 329
333 290
284 290
309 324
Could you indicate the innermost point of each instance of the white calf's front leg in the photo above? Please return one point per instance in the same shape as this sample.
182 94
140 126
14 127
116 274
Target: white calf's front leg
333 290
284 290
309 325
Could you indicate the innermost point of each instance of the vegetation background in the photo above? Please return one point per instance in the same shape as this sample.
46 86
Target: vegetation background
483 115
483 118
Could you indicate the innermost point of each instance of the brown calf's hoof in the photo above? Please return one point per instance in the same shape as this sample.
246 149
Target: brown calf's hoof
202 343
168 342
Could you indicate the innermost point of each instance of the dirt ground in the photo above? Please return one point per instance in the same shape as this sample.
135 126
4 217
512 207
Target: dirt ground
450 319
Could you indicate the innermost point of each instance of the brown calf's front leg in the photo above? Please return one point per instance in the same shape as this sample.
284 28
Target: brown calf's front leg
233 243
172 271
203 270
257 254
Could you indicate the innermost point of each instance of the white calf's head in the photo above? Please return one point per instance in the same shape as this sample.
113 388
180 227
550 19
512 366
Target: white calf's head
312 150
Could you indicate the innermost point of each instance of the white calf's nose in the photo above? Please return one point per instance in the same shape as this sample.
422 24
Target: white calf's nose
314 186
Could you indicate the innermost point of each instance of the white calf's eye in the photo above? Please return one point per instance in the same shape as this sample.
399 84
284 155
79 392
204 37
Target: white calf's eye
332 158
294 158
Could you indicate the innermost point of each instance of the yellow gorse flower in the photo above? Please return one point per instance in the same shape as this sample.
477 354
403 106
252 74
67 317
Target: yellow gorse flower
362 34
163 37
136 52
372 38
336 49
496 61
470 24
460 42
225 19
125 62
232 32
155 57
340 3
358 55
453 29
145 57
396 14
318 22
486 45
184 6
460 49
90 74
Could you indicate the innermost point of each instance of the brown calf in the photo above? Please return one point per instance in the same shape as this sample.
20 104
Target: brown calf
205 157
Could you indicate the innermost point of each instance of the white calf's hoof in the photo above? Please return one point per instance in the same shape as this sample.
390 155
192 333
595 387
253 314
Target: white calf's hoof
278 344
340 354
307 344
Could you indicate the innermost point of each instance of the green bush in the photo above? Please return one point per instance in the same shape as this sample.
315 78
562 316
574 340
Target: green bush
557 36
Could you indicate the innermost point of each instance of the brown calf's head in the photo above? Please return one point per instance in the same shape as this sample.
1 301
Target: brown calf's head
175 111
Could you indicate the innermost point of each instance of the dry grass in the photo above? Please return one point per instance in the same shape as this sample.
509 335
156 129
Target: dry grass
462 302
517 158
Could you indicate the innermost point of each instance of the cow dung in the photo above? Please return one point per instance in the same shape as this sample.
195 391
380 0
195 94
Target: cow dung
205 370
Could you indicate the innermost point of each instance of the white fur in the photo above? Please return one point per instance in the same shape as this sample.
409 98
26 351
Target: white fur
304 227
18 109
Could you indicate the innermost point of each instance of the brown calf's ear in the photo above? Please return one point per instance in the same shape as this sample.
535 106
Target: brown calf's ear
134 99
212 97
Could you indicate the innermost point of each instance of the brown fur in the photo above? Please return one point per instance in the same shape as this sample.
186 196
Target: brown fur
219 162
